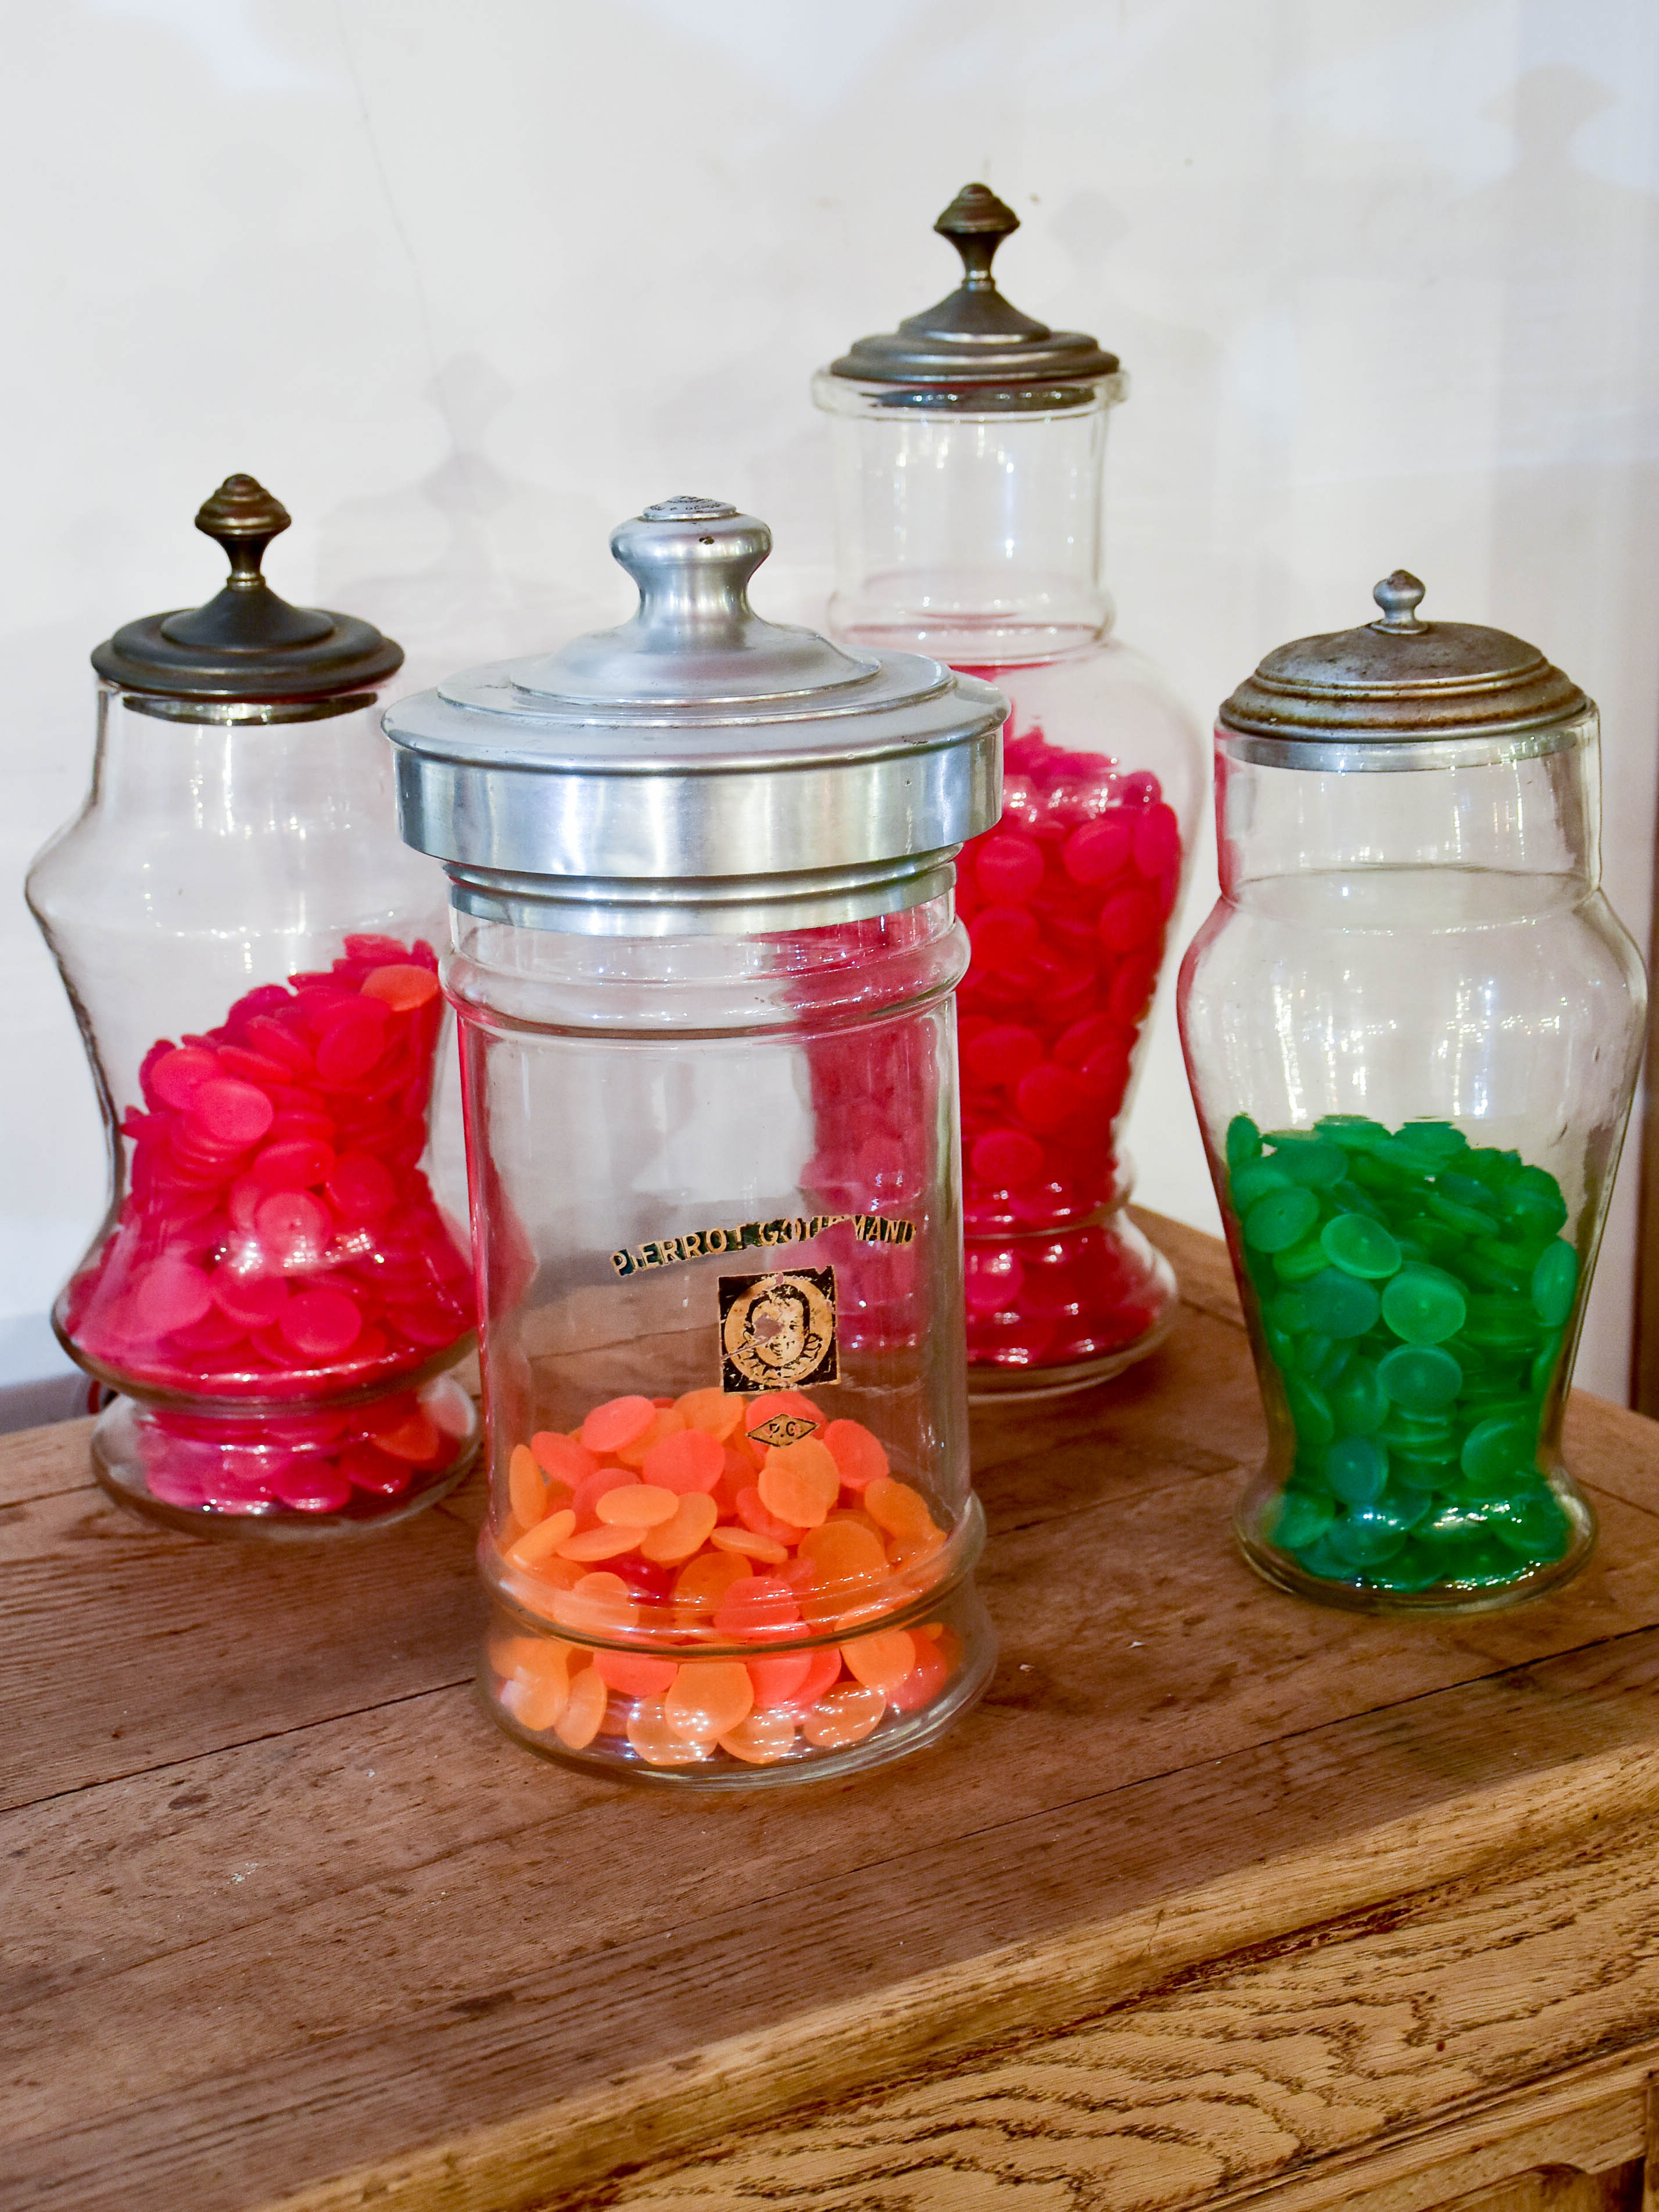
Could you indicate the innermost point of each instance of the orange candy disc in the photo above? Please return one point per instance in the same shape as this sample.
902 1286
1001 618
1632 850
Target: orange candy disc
598 1601
579 1723
845 1717
771 1403
859 1455
635 1672
925 1680
691 1459
562 1459
636 1505
663 1422
401 986
601 1543
688 1531
542 1685
761 1739
750 1546
897 1507
657 1742
799 1483
781 1679
526 1486
544 1539
708 1578
718 1413
757 1608
881 1661
843 1552
753 1515
618 1422
709 1697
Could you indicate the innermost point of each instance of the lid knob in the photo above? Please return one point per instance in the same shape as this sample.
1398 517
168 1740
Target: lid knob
692 559
1399 596
242 518
976 222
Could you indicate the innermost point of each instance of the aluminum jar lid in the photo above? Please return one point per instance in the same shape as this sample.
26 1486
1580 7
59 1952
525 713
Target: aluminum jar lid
697 769
247 655
975 343
1402 693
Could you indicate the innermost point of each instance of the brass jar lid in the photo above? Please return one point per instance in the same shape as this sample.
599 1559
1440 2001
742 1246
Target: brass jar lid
248 644
1399 681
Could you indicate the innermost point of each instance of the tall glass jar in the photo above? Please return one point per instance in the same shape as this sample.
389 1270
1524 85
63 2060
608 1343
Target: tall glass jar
969 449
275 1291
1412 1024
703 955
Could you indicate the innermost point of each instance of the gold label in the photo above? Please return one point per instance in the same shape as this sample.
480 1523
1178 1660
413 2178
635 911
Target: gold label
779 1330
783 1429
748 1235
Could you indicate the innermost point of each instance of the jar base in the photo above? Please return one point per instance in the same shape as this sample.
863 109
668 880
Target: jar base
300 1476
611 1753
1141 1316
1482 1592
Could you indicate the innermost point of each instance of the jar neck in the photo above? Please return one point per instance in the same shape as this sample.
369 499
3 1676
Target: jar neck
1535 814
974 535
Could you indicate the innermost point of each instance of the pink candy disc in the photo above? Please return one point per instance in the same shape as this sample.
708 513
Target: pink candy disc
1007 867
312 1485
250 1301
175 1295
321 1323
1005 1158
231 1111
293 1163
353 1040
291 1223
179 1074
361 1187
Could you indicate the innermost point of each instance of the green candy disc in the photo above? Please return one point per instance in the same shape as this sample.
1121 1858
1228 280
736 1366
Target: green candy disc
1340 1304
1302 1262
1554 1282
1365 1537
1501 1446
1357 1469
1357 1132
1316 1165
1424 1305
1360 1247
1310 1410
1301 1519
1253 1179
1421 1377
1243 1140
1359 1404
1281 1219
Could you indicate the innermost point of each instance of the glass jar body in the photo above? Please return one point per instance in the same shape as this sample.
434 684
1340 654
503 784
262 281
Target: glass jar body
715 1206
1412 1026
274 1290
973 532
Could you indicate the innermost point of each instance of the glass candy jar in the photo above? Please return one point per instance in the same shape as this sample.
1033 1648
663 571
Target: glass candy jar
275 1291
1412 1024
969 446
703 956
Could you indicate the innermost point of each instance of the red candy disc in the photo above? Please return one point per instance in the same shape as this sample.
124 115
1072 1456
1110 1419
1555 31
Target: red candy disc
321 1323
231 1112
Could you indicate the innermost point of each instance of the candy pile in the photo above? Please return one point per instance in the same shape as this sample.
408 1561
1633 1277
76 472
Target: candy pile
366 1463
670 1516
279 1237
1414 1291
1067 903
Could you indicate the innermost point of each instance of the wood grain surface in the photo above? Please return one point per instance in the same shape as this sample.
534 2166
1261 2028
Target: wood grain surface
1217 1898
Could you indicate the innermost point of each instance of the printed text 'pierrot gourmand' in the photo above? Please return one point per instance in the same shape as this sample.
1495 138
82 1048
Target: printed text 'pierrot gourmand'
750 1235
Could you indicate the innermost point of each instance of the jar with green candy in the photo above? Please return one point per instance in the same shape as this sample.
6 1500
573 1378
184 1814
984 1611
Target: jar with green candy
1412 1026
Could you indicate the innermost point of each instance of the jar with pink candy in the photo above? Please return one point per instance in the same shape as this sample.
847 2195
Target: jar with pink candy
968 452
276 1291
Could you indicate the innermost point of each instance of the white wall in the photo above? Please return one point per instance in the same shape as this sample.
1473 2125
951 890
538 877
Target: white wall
466 281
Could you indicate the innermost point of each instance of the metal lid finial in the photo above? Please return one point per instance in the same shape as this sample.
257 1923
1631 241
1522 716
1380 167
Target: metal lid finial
1400 595
976 222
686 506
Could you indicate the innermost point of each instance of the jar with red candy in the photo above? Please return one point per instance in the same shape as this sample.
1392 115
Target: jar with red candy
276 1291
969 445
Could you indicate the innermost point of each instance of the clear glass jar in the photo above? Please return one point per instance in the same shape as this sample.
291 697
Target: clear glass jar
711 1115
968 450
1412 1024
275 1291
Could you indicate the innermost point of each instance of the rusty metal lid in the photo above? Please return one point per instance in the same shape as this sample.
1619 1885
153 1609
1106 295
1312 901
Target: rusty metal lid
975 337
1401 680
248 643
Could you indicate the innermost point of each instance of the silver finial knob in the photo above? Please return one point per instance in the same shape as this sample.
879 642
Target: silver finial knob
686 506
692 560
1399 597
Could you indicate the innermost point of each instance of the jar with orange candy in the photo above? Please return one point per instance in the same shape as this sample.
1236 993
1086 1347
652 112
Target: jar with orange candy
699 865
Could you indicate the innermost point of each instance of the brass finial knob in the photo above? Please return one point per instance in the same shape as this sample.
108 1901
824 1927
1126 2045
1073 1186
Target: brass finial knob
1399 596
976 222
243 518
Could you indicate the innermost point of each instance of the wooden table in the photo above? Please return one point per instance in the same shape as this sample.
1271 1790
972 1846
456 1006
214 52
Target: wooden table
1218 1899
